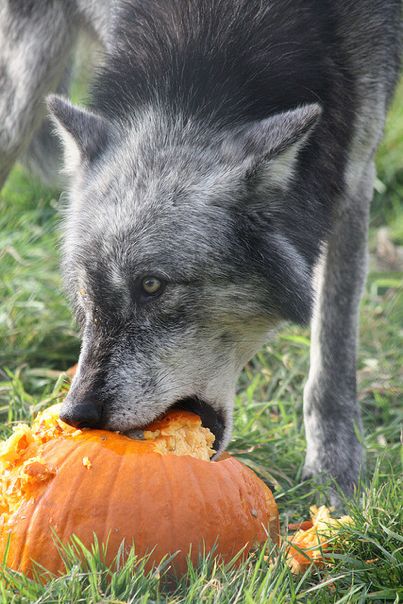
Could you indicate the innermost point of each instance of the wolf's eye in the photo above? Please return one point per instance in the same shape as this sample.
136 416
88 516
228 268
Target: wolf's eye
152 286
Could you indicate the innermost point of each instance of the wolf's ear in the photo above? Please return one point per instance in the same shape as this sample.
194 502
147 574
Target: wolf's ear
268 149
83 132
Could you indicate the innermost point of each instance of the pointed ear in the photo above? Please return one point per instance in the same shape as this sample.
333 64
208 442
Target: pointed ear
84 133
268 149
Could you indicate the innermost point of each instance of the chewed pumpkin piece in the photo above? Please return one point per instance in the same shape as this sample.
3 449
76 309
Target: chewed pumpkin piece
313 538
47 425
87 463
35 472
14 448
297 526
37 469
182 434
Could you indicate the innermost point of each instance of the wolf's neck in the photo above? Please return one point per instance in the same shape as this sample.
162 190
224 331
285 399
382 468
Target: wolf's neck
213 59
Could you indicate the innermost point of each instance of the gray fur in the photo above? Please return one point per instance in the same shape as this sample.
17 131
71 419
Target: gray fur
36 43
32 63
44 155
331 410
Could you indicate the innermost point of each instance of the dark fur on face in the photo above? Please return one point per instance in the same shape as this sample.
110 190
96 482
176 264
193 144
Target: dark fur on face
184 213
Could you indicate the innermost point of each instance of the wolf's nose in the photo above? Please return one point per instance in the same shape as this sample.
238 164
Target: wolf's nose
85 413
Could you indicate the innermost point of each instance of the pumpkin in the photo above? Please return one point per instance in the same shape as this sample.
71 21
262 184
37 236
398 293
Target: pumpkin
160 493
313 538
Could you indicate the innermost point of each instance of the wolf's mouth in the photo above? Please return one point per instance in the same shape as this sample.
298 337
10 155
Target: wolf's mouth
211 419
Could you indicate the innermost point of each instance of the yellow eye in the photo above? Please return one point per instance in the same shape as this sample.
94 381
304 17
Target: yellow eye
151 285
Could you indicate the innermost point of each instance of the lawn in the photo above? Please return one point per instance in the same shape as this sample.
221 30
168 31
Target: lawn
39 340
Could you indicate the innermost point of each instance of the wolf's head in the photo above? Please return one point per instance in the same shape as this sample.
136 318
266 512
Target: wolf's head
177 259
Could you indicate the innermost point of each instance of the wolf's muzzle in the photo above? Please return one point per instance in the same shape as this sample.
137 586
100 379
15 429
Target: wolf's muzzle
85 413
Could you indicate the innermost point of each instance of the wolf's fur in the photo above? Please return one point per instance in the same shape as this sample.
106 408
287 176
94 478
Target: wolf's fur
228 149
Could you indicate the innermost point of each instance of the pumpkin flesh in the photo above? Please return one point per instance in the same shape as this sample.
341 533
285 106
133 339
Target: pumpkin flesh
56 479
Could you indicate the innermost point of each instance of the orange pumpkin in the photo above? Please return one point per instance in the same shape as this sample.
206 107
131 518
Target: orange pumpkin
58 479
313 538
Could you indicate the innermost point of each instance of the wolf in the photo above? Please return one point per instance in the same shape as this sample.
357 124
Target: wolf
219 184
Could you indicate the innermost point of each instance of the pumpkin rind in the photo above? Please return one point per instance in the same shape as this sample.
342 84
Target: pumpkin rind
128 491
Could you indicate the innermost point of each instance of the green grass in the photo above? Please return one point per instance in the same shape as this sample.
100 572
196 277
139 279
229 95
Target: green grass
38 340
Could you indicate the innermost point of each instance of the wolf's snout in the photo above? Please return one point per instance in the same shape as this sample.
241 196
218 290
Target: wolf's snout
84 413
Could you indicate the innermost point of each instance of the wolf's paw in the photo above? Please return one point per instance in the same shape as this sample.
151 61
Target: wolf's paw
336 484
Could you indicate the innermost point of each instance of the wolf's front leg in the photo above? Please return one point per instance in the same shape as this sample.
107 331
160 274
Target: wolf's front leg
331 411
35 45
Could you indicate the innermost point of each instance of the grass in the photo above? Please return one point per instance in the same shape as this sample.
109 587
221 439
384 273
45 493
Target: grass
39 340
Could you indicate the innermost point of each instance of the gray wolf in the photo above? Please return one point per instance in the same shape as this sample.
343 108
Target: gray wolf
220 181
